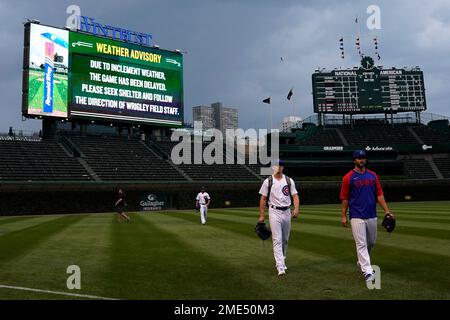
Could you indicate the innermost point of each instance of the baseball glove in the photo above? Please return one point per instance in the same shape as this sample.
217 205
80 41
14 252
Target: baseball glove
388 222
262 231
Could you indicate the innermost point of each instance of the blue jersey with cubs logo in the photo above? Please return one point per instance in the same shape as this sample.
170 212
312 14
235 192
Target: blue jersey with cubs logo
361 190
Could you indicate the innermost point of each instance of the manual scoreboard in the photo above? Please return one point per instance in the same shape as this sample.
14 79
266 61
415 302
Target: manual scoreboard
368 89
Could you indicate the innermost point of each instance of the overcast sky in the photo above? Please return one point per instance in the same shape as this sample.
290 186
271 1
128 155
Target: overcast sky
234 48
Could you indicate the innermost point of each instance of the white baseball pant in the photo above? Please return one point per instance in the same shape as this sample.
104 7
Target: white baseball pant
280 225
203 213
365 234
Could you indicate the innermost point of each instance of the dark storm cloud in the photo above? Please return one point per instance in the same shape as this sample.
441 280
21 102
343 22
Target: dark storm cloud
234 48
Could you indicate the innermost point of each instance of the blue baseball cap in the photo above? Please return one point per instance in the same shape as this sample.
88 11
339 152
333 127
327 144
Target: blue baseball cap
278 162
359 154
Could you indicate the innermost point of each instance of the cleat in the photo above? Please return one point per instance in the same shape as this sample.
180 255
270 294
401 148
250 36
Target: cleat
281 272
369 277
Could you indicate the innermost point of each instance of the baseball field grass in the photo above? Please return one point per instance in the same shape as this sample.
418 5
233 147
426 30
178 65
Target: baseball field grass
170 255
36 91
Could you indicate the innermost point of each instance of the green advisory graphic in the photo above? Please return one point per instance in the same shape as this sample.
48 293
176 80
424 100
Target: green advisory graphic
115 80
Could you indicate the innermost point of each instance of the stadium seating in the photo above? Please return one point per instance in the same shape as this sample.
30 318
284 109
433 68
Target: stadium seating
324 137
432 136
37 161
444 166
197 172
419 169
115 158
378 135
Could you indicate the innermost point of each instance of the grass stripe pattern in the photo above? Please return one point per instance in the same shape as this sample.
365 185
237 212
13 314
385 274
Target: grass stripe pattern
170 255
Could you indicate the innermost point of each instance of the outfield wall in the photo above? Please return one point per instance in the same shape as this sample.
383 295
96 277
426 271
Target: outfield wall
57 198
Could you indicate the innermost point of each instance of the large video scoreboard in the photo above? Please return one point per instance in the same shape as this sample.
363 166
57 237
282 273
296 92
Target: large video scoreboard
368 89
77 75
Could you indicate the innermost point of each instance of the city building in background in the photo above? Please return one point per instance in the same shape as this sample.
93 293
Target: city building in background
290 122
216 116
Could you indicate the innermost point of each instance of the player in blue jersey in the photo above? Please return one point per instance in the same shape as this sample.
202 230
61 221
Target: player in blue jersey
360 191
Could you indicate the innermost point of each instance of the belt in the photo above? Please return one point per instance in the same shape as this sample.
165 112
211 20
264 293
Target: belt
279 208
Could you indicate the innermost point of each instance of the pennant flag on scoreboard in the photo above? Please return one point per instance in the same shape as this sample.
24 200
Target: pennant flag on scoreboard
267 100
341 47
290 94
375 42
356 20
358 46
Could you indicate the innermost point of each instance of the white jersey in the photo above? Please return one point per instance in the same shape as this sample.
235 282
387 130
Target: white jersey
279 194
203 198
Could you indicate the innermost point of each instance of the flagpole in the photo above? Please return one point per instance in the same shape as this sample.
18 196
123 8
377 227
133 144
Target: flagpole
359 34
293 109
270 108
269 124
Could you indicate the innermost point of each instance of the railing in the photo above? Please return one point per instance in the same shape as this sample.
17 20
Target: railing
402 118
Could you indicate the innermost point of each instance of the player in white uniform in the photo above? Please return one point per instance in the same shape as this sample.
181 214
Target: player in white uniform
279 212
203 200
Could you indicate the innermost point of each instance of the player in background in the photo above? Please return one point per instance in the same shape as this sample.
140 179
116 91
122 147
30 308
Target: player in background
120 205
360 191
276 192
202 200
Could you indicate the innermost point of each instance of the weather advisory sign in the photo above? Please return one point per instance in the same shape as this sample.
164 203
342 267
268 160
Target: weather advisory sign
74 74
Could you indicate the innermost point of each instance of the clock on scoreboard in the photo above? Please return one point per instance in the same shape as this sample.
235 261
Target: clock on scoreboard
368 89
